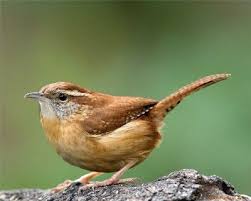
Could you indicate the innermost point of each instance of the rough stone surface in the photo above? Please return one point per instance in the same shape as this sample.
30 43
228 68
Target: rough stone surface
183 185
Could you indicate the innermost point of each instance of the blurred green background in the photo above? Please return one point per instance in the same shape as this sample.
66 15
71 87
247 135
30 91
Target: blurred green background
137 49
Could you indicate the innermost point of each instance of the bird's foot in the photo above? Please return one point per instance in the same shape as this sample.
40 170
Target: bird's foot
83 180
62 186
129 181
108 182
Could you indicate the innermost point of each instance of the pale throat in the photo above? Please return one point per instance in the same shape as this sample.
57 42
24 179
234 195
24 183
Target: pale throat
46 110
51 110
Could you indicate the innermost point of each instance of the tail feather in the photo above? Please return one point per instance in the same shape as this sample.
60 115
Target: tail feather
167 104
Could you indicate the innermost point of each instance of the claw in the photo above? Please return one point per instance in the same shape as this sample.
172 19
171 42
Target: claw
62 186
107 182
83 180
129 181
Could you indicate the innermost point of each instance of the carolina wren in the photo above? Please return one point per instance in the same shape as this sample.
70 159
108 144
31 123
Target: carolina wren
105 133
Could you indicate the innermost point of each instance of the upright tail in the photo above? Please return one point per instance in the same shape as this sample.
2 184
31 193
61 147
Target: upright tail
167 104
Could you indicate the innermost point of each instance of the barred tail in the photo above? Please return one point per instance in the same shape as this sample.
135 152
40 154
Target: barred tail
167 104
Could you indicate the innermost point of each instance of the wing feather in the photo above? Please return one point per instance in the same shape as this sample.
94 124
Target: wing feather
115 113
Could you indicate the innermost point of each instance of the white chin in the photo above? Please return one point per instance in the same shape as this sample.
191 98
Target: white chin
47 109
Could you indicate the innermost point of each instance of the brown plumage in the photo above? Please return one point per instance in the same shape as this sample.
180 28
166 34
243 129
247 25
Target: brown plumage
105 133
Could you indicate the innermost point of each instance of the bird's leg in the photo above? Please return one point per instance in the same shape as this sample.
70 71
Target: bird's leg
83 180
87 177
113 180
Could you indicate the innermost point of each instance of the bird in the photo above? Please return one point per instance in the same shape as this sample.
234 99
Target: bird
105 133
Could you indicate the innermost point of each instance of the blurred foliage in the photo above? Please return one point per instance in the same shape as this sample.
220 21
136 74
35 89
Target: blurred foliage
138 49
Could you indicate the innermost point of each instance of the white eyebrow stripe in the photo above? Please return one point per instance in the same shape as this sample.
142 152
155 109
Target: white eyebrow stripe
73 93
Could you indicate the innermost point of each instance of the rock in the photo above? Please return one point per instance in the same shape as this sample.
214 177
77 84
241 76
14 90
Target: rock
183 185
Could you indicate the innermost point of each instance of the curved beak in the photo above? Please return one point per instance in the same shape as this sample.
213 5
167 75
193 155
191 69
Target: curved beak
35 95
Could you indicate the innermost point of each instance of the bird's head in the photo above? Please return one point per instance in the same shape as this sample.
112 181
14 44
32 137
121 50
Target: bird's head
60 99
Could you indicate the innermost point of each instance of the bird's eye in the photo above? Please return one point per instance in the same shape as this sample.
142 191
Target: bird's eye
62 97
